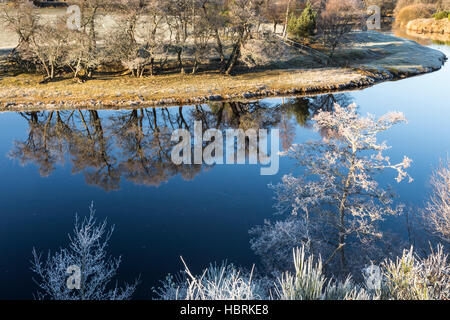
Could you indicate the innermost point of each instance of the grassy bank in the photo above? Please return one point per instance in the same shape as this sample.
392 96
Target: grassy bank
365 59
441 27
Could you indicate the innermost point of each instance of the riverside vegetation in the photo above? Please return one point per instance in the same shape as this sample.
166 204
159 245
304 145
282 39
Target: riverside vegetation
430 17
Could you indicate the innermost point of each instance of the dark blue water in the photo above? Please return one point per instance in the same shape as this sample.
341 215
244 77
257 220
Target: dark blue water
52 166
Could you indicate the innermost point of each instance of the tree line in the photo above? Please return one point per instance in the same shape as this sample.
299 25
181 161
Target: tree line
148 37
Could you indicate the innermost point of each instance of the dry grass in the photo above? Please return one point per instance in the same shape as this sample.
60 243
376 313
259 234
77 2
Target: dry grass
24 87
440 27
414 11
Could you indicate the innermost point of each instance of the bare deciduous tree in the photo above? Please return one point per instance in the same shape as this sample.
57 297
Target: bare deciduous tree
153 32
336 20
244 15
49 46
179 17
213 15
90 12
22 19
124 44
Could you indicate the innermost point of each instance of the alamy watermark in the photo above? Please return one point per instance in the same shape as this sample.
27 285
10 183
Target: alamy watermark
373 277
240 147
74 18
74 280
374 19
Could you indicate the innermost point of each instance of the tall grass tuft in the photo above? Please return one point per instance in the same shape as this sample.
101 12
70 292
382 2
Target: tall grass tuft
412 278
309 283
409 277
223 282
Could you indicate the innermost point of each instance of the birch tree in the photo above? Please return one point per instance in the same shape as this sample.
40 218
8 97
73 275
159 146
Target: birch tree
337 197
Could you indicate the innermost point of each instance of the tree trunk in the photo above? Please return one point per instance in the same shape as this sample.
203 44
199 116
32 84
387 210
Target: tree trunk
180 62
195 67
219 47
233 59
342 207
286 20
152 66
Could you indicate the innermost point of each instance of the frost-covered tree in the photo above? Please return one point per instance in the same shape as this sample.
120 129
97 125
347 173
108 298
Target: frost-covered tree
87 251
337 198
437 211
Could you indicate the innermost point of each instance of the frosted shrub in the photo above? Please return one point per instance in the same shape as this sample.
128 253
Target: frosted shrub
274 242
412 278
309 283
87 251
407 278
224 282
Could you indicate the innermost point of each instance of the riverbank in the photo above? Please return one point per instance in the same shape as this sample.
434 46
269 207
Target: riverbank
366 58
432 26
425 39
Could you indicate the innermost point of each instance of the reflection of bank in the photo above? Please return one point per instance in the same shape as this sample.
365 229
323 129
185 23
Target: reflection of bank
136 145
425 39
49 4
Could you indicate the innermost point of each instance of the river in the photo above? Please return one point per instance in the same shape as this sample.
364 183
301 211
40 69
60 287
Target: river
53 165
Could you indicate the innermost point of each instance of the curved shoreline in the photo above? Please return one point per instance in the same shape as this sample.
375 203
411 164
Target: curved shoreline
431 25
365 82
385 58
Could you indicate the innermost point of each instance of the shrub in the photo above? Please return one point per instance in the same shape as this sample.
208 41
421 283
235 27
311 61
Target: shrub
442 15
413 278
309 283
224 282
409 277
414 11
404 3
273 242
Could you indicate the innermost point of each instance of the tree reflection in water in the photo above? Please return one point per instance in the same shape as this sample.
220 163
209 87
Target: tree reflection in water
136 144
